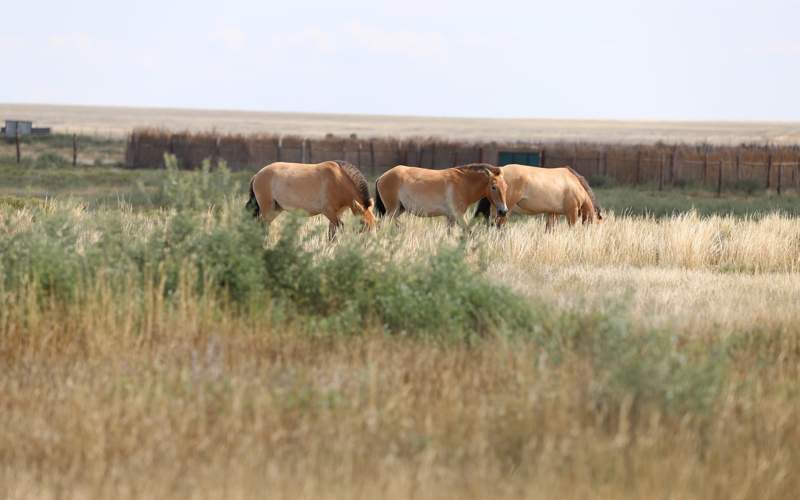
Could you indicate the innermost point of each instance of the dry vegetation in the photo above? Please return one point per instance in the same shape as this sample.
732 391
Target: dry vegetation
120 121
169 354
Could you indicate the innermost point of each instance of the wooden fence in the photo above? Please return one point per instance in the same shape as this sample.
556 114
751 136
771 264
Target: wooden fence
661 165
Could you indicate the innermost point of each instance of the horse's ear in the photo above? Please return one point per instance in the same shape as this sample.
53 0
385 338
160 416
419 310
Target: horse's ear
488 172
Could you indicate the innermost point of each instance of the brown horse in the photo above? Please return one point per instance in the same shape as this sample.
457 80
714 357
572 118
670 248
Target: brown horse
328 188
431 193
551 191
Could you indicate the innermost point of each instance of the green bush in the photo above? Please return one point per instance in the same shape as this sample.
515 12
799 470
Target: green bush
601 181
749 186
441 294
51 160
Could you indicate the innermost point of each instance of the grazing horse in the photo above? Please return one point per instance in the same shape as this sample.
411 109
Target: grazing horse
551 191
431 193
328 188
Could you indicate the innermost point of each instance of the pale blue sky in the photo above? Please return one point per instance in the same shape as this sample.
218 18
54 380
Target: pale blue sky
679 59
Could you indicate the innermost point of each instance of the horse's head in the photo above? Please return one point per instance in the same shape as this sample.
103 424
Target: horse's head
368 221
496 189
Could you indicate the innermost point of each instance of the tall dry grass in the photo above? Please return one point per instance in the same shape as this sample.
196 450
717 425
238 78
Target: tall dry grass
145 355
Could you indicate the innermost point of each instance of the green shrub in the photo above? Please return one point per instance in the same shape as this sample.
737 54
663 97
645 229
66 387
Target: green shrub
51 160
601 181
749 186
438 295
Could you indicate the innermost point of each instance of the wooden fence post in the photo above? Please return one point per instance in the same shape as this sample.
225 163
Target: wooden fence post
74 149
705 168
279 148
605 162
719 179
16 140
638 166
780 175
672 159
372 157
738 167
542 157
661 173
597 164
769 169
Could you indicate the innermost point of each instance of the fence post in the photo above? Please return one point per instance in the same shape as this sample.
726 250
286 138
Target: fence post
605 162
780 175
672 159
16 140
661 173
542 157
738 166
638 165
597 164
705 169
769 168
372 157
719 179
480 154
74 149
278 148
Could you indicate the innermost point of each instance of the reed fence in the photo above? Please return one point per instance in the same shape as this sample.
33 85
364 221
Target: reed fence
663 165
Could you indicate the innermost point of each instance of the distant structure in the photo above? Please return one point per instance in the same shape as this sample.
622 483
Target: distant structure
22 127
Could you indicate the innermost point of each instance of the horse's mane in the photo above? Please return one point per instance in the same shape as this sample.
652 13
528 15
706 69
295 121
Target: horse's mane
589 191
476 167
358 179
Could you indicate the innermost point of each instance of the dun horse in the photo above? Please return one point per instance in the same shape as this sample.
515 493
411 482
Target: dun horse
551 191
431 193
327 188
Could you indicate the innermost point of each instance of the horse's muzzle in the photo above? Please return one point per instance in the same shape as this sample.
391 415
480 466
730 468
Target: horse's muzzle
501 212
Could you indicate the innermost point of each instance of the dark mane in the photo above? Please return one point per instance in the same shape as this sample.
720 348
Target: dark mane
589 191
359 181
476 167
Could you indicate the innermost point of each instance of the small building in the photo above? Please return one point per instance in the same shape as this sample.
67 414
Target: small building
22 127
519 157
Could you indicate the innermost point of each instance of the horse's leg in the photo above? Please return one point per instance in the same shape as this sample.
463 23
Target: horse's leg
333 226
335 222
549 222
587 212
572 214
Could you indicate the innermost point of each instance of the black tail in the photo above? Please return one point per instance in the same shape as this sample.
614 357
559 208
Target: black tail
597 210
379 207
252 203
484 209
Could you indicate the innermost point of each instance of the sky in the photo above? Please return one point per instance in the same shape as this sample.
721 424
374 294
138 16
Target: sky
618 59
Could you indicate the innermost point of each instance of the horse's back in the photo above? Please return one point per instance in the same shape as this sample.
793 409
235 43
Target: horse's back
296 185
542 190
421 191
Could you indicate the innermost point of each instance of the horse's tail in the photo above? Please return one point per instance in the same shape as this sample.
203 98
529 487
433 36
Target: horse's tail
380 208
252 203
597 210
484 209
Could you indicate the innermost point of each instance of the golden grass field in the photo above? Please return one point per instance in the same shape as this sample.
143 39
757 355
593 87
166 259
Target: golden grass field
128 392
119 121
